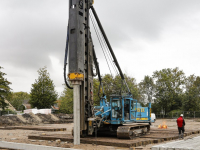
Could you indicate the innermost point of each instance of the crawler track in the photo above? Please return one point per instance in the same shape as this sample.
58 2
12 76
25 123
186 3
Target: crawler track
130 132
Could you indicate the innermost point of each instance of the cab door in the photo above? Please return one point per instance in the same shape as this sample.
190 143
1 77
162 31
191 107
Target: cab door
127 109
133 109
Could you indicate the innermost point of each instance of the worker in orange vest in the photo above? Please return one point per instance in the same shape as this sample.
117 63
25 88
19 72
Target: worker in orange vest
181 124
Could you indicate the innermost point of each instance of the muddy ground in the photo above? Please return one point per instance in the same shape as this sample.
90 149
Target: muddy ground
21 136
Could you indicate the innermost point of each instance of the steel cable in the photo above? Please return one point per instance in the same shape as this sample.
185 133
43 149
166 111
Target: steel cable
106 49
100 41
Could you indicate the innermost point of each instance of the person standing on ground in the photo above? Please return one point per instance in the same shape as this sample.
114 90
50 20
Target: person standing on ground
181 123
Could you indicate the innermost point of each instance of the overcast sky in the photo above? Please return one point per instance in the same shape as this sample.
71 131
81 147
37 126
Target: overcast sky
146 35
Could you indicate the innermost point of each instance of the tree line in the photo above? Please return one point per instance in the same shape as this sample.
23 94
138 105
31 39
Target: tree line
42 95
167 89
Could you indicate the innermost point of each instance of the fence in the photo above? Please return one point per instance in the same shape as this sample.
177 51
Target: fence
186 114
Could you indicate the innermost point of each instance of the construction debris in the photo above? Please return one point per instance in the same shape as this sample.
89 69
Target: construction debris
35 119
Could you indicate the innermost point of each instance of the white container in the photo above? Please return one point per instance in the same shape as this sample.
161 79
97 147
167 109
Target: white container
153 117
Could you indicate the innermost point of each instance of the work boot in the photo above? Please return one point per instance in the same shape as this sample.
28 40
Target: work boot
182 136
179 137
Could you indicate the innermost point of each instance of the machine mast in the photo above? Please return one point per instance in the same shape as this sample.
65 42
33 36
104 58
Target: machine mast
80 66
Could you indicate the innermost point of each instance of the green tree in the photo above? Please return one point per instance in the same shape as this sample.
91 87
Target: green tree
66 105
110 85
17 99
135 91
147 88
115 86
197 83
189 81
95 91
191 98
169 88
4 89
43 94
107 81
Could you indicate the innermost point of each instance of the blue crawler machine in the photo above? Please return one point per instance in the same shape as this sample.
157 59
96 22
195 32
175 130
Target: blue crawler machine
123 116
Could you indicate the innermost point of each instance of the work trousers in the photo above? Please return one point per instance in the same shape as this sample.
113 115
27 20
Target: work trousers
181 129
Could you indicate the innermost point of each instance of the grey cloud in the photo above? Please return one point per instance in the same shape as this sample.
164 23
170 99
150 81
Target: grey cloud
31 30
143 19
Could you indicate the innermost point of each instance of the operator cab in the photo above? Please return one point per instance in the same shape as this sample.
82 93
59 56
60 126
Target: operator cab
123 109
130 107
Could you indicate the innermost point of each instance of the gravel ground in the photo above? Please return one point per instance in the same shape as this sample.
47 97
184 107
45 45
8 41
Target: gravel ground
21 136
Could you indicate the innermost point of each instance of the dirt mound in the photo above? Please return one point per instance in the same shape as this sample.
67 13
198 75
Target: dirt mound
68 118
10 120
21 118
46 118
35 119
54 117
30 119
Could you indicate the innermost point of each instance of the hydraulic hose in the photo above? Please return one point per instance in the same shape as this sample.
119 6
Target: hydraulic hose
65 60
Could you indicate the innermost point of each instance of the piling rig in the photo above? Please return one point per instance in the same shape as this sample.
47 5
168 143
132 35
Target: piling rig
122 116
